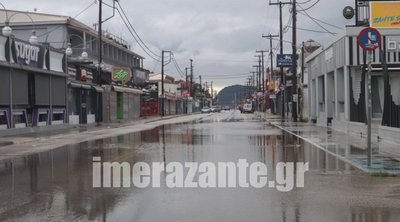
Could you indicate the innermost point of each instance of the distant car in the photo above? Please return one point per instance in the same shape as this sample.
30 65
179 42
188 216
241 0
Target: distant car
212 109
247 108
215 109
227 108
206 109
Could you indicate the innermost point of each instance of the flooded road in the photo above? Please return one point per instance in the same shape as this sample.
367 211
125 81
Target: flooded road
57 185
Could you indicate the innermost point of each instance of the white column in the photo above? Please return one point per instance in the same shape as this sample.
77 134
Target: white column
335 87
346 70
347 92
326 97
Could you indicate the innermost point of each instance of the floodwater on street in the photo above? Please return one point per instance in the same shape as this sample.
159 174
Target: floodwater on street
57 185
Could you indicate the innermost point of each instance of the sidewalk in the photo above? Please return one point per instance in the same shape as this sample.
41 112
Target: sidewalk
347 147
43 141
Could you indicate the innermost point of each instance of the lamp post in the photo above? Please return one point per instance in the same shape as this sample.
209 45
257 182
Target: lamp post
69 50
7 30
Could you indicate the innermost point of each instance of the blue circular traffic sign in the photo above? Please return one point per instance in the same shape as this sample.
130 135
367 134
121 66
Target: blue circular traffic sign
369 39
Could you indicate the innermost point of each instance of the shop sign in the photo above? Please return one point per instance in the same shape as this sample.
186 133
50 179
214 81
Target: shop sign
139 75
26 53
285 60
385 14
121 74
393 43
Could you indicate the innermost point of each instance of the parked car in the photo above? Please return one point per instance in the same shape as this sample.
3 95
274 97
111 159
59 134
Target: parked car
247 108
215 109
227 108
206 109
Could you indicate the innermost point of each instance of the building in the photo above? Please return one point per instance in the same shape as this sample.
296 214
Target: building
307 48
92 96
337 83
172 93
33 90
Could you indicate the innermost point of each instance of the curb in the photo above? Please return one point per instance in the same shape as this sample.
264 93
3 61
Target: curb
6 143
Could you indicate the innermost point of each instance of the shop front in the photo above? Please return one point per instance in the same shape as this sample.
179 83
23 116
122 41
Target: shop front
83 95
32 85
121 101
337 78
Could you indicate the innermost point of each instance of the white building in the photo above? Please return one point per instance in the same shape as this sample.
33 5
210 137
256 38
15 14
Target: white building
337 85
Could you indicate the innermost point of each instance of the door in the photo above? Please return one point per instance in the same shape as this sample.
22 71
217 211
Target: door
83 110
120 105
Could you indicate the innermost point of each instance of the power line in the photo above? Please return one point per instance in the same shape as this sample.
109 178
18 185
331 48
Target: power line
315 31
224 60
134 37
57 27
137 38
178 68
315 3
233 77
326 23
316 22
302 3
225 75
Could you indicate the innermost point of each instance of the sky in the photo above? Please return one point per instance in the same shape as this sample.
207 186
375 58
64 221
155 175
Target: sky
221 36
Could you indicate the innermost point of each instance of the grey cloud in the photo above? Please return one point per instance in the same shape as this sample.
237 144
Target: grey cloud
204 29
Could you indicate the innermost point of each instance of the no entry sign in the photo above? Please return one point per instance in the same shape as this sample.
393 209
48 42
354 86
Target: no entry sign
369 39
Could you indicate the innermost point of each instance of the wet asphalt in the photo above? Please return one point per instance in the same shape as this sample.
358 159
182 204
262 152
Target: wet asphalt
56 185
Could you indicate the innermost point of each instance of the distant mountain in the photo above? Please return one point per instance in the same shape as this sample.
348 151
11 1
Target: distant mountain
226 97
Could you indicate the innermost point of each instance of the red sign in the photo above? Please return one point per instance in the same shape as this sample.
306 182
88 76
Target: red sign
369 39
185 93
149 109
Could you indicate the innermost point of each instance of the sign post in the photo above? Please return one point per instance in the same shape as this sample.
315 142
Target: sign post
369 39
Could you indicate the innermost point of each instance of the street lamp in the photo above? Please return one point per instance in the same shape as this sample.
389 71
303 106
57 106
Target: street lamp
69 51
7 30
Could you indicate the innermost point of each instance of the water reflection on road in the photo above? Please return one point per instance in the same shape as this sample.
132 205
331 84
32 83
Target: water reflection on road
57 185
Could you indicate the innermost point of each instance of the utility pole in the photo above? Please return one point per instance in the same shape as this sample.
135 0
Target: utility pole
257 77
162 83
302 83
100 46
271 54
100 58
212 90
283 75
191 78
294 63
260 83
200 85
262 68
200 80
186 78
201 93
254 79
212 93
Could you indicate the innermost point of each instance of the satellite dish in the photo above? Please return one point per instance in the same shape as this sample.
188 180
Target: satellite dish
348 12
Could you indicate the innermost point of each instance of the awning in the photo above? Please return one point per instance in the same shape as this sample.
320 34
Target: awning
79 85
98 88
127 90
